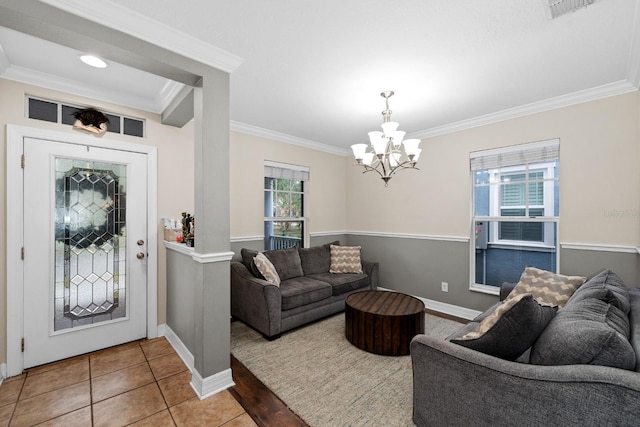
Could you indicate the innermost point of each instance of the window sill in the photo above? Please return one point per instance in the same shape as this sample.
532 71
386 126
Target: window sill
521 246
485 289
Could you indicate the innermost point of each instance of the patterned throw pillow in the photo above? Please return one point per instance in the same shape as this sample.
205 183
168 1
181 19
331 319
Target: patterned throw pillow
547 288
267 269
345 259
509 331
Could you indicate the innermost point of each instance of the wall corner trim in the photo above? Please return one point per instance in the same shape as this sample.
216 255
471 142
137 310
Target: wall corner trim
198 257
205 387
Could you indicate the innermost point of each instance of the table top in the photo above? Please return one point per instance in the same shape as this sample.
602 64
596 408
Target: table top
386 303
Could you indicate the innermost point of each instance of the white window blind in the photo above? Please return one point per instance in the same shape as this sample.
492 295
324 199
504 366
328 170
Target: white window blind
536 152
285 171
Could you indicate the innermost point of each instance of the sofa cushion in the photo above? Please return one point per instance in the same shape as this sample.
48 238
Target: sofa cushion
509 331
343 283
267 269
547 288
588 331
286 262
316 259
345 259
301 291
599 284
247 259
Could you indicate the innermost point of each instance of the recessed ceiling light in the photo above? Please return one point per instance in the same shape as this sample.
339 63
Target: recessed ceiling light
93 61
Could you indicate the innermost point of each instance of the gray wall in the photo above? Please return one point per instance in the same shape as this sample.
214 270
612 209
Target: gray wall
181 298
591 262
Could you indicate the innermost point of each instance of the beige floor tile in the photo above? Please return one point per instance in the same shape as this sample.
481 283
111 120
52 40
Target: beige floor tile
161 419
109 385
52 404
177 388
115 359
6 412
81 417
129 407
71 372
212 411
10 389
56 365
156 347
166 366
243 420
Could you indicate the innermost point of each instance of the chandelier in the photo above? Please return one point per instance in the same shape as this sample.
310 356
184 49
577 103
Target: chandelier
387 156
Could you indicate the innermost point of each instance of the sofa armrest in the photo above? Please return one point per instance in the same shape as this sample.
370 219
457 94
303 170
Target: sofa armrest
505 289
255 301
457 386
371 270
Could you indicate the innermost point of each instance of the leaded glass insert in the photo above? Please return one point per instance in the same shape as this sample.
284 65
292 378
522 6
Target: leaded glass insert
90 243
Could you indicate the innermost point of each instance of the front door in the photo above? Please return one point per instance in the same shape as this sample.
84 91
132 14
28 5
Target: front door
85 247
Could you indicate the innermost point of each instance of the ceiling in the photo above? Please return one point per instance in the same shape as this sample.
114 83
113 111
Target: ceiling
311 72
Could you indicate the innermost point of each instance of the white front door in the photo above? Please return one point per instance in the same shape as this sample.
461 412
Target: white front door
85 248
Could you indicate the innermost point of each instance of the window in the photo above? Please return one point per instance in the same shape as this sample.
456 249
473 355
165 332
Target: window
284 205
516 212
55 112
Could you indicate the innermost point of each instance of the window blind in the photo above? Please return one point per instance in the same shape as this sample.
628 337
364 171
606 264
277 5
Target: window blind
285 171
537 152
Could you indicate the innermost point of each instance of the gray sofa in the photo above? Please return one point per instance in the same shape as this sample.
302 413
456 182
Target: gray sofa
454 385
307 292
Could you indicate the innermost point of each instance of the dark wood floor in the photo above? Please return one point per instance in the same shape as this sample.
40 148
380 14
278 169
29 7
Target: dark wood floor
263 405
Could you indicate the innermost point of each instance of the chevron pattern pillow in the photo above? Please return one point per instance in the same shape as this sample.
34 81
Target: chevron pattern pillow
547 288
267 269
345 259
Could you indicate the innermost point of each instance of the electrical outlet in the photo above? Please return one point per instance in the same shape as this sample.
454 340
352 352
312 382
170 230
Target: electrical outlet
445 287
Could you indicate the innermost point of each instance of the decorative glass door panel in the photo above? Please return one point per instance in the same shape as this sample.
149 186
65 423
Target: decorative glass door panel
85 245
90 242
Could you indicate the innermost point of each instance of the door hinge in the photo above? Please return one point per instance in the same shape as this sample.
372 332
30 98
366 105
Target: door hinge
22 253
22 161
22 345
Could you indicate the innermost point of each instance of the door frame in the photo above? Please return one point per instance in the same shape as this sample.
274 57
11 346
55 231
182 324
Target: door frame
15 225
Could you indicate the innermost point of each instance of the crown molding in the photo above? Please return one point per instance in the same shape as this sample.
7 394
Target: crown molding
36 78
167 94
612 89
123 19
287 139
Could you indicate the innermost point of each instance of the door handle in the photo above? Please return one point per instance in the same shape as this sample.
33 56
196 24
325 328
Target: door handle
140 255
140 242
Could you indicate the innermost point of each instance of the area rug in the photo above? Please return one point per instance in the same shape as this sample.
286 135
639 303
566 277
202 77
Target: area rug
326 380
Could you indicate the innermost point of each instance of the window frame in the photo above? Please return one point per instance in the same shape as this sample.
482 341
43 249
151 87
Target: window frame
291 173
550 221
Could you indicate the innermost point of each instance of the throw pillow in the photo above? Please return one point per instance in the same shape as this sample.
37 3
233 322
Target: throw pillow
345 259
510 330
247 259
589 331
267 269
547 288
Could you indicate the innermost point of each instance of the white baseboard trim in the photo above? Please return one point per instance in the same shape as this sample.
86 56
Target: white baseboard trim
204 387
177 344
443 307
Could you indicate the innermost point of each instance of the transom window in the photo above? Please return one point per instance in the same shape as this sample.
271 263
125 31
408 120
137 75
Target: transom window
516 206
284 205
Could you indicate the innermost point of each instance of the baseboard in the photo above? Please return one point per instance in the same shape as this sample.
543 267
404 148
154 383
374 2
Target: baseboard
204 387
443 307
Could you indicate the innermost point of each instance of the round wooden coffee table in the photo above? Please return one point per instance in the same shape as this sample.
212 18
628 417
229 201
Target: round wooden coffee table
383 322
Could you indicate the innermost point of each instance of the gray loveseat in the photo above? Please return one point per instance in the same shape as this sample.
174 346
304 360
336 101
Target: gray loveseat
454 385
307 292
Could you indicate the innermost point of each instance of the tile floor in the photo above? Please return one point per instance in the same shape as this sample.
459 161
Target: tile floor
144 383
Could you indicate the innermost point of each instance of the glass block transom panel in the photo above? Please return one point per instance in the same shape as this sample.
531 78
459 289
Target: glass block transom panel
90 243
